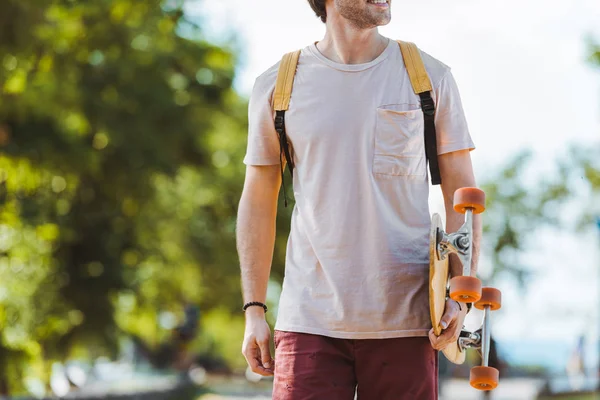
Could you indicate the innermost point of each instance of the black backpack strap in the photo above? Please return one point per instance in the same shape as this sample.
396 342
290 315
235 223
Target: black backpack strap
284 148
428 108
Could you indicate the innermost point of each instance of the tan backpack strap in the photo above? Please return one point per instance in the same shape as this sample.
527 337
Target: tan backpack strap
415 67
285 81
281 102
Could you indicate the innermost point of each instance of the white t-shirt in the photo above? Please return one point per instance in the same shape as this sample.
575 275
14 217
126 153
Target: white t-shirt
357 255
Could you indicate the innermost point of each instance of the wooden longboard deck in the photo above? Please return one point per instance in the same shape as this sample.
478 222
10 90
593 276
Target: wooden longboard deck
438 282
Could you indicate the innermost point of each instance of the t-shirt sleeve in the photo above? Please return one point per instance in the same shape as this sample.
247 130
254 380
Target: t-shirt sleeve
263 144
450 122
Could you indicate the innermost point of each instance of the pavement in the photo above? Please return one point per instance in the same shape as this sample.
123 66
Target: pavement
508 389
454 389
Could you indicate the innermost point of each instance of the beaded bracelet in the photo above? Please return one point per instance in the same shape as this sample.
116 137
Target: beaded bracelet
255 303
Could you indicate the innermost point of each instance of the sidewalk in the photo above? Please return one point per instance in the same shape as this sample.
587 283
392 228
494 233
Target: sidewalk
509 389
455 389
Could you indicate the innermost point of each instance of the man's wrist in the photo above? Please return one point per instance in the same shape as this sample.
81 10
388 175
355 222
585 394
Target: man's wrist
255 304
255 312
255 309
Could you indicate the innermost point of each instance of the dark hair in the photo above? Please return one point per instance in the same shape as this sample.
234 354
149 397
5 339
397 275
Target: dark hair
318 7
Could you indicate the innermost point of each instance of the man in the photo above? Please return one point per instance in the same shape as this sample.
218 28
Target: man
353 314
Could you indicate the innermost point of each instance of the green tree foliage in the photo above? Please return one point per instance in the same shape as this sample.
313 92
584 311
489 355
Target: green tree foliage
121 140
517 205
595 54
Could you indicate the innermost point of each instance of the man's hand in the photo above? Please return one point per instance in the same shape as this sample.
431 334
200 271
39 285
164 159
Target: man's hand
451 323
257 339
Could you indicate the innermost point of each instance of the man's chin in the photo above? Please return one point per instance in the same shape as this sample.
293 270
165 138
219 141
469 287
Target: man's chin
384 22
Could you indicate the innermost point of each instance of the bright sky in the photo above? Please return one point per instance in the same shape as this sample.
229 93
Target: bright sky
522 72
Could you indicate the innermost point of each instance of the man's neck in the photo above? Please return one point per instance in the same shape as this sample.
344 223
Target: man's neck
346 44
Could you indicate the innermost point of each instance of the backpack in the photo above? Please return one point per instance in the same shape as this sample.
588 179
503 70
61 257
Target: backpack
419 80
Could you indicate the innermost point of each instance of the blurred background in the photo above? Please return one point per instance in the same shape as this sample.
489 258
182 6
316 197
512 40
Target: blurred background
122 132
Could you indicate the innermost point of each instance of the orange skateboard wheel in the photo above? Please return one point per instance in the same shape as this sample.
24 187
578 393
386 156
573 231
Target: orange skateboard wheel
489 297
465 289
469 197
484 378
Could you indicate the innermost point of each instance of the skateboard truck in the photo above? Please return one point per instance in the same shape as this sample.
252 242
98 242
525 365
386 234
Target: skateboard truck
459 243
472 340
469 340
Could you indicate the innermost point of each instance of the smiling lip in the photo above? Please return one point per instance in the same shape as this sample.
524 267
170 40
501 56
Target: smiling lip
379 4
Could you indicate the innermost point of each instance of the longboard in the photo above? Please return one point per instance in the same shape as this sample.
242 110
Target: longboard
438 284
463 288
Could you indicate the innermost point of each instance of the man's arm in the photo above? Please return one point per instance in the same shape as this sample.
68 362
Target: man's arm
255 242
457 172
256 229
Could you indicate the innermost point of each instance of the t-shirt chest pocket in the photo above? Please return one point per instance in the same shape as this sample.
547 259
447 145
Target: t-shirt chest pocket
399 141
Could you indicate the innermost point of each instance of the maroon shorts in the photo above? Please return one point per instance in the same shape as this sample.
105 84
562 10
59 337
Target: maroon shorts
314 367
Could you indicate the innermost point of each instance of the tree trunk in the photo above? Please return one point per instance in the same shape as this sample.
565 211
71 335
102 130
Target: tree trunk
4 387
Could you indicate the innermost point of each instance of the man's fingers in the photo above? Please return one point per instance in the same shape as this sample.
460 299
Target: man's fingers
447 337
260 370
254 361
450 327
437 342
433 339
450 314
259 360
250 354
265 354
